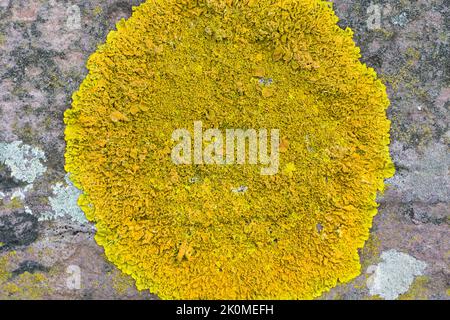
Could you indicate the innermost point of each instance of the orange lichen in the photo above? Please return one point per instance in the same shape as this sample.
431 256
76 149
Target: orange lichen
181 231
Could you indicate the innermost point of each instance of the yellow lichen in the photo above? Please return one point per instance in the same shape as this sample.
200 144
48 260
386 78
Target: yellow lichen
371 251
180 231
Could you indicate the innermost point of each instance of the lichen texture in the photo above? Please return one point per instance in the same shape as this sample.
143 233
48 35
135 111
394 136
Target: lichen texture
64 203
394 275
179 230
24 161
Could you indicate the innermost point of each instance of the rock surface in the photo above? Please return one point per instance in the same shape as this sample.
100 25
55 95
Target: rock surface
48 252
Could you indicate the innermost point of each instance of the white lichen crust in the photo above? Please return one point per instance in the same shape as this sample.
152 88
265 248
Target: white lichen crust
394 275
24 161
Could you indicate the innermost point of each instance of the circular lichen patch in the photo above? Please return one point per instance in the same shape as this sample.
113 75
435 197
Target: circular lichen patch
226 231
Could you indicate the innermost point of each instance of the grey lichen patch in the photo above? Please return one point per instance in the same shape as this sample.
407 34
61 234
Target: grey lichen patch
394 275
24 161
64 203
400 20
7 182
422 176
17 229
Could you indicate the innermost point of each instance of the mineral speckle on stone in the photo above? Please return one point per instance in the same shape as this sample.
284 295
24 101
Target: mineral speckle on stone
43 54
